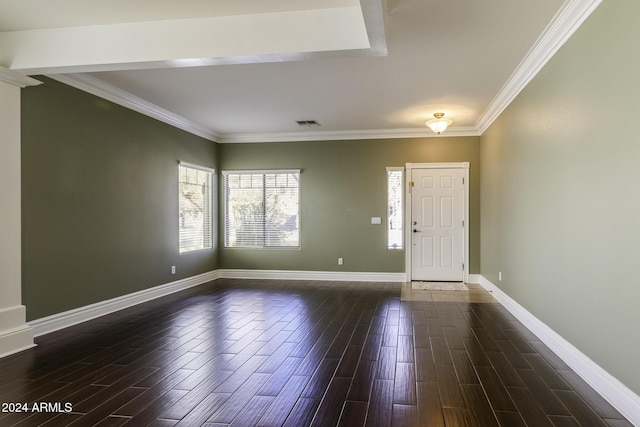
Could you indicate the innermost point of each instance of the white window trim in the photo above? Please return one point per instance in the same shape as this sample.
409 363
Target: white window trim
213 201
224 173
194 166
404 176
260 171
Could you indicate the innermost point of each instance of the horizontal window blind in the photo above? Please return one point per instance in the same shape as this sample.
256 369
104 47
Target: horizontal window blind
262 209
195 206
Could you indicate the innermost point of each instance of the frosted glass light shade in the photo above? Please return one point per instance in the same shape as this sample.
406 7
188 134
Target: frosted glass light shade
439 124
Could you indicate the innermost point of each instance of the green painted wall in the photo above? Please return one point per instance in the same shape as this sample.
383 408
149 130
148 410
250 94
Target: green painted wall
99 200
560 204
343 185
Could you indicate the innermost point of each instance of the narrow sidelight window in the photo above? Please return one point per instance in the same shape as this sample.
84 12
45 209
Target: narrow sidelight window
195 207
395 211
262 209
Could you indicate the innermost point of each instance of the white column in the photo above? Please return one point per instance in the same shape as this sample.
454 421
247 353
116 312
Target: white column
15 334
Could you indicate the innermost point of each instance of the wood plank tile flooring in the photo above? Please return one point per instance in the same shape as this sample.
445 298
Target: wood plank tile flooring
287 353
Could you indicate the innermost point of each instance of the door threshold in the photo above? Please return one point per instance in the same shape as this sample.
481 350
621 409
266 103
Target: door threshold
439 286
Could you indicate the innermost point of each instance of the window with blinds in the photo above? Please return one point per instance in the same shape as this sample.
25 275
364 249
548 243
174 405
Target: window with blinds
262 209
395 204
195 206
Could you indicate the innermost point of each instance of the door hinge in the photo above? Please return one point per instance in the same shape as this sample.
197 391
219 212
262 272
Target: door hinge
411 184
462 180
463 223
463 266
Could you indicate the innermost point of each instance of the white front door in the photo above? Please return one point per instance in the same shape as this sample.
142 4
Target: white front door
437 224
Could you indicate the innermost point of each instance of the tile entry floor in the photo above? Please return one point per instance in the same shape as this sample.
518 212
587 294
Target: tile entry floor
474 294
291 353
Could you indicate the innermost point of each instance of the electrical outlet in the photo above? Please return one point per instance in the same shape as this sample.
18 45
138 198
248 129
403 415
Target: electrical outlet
340 261
500 276
173 269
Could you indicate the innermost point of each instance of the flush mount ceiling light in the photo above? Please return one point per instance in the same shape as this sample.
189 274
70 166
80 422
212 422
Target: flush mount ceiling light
439 124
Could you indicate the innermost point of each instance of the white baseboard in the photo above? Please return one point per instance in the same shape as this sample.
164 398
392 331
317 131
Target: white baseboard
16 340
621 397
339 276
65 319
609 387
15 334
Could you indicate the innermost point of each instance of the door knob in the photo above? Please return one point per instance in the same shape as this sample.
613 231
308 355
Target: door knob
416 231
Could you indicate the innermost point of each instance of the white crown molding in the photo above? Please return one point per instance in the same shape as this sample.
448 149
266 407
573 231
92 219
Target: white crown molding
65 319
345 135
17 79
568 19
340 276
121 97
609 387
107 91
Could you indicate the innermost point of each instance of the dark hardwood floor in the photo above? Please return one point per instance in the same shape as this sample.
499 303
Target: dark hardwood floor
286 353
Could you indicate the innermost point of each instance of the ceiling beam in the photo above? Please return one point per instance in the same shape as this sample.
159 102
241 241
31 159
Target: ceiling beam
183 42
17 79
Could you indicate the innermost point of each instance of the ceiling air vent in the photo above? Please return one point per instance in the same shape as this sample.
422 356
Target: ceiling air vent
308 123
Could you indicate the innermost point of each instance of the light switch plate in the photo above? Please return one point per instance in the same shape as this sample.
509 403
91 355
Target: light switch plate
376 220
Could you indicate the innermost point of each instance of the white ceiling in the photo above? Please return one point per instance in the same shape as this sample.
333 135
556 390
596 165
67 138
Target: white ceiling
246 70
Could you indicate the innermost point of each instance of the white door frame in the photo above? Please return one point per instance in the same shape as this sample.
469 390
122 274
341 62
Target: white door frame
465 202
